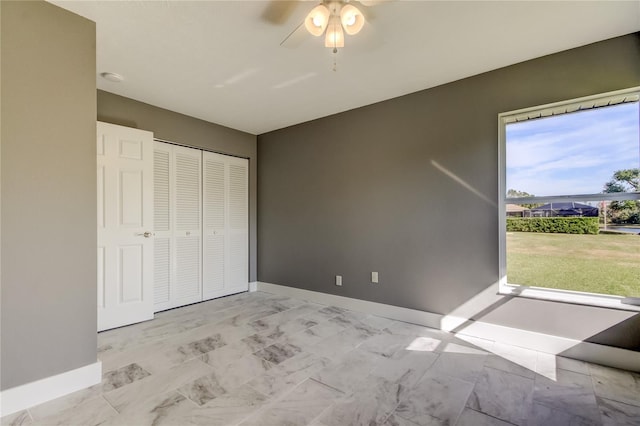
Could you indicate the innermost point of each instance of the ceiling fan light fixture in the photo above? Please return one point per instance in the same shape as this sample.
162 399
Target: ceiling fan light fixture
352 19
335 35
317 20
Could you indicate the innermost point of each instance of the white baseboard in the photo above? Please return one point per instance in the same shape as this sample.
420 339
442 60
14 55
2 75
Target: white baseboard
30 394
427 319
253 286
571 348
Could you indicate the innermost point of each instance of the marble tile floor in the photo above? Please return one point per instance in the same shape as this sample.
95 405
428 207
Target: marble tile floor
262 359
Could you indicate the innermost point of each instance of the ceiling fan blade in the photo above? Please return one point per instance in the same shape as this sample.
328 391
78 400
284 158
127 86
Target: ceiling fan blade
295 37
369 12
278 12
373 2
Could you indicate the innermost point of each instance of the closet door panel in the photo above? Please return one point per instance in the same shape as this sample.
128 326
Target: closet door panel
162 200
214 193
237 249
177 214
187 287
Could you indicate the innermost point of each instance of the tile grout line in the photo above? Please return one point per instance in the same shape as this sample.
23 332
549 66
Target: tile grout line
316 419
110 405
514 374
619 402
323 384
488 415
187 398
616 400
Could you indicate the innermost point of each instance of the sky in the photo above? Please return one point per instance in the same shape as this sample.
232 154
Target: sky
574 153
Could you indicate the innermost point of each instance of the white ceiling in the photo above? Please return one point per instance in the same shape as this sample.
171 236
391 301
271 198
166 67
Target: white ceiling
221 62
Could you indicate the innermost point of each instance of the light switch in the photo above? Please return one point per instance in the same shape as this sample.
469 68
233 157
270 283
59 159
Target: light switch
374 277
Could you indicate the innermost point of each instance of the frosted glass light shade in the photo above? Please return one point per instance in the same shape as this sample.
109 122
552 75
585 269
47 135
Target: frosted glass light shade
317 20
352 19
335 35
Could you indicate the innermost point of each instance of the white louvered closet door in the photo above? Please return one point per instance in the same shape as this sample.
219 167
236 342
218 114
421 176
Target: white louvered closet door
162 199
188 225
237 262
201 212
226 225
177 206
214 213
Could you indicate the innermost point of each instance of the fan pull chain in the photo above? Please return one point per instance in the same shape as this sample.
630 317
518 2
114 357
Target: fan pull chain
335 62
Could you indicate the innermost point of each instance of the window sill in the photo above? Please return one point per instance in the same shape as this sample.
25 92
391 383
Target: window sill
576 298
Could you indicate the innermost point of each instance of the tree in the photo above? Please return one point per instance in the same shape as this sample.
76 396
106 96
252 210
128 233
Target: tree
514 193
626 180
624 212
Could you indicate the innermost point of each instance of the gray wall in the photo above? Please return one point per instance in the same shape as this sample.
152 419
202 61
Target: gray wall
188 131
48 192
372 190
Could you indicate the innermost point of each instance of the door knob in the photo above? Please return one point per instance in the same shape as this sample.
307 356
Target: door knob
145 234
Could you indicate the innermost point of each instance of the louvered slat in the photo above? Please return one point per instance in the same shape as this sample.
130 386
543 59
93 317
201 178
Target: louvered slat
213 266
238 196
162 259
214 194
187 283
187 192
161 197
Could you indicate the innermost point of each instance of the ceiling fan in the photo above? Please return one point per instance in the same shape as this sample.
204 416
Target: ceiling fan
331 18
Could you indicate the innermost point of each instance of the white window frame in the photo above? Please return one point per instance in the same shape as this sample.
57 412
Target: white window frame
568 296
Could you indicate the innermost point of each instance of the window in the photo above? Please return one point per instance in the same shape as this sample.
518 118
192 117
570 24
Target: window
570 201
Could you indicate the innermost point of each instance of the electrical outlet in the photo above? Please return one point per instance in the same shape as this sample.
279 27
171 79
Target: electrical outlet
339 280
374 277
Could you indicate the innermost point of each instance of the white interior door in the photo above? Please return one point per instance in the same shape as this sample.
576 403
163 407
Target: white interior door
125 225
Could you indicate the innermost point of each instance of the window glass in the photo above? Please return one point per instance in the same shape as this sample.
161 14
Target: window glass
568 246
578 231
572 153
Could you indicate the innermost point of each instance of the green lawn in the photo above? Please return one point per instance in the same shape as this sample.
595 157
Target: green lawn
608 264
